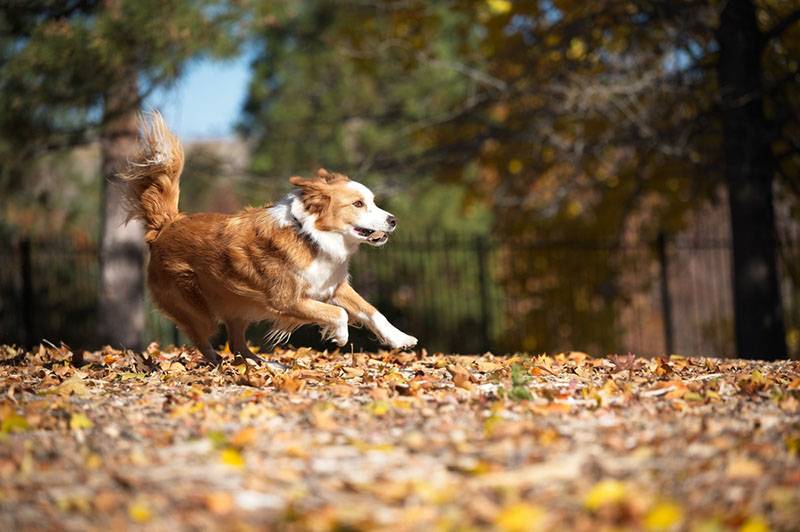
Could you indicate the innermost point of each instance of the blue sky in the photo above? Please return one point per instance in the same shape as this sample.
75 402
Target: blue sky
206 102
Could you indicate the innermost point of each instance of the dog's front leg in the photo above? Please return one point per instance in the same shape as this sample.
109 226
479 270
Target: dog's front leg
361 311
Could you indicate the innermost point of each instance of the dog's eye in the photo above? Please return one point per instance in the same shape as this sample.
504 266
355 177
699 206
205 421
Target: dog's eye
358 204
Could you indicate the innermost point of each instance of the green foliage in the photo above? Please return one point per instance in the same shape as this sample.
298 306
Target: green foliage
59 61
519 384
566 120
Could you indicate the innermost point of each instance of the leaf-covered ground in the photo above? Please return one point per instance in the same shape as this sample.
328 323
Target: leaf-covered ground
397 441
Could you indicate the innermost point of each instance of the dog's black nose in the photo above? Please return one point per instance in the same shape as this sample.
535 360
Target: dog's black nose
391 220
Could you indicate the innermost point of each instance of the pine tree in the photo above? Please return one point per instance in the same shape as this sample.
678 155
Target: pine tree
78 70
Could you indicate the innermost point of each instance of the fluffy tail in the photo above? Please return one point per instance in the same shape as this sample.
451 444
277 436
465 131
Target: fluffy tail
152 179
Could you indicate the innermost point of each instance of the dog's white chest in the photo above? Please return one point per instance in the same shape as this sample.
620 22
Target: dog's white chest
323 276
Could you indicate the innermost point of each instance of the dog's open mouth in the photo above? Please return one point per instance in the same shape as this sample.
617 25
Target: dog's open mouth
372 236
363 231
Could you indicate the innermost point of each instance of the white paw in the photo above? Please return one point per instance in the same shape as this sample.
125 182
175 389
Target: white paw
341 335
401 340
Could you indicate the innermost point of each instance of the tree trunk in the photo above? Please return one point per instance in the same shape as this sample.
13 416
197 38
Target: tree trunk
122 249
749 171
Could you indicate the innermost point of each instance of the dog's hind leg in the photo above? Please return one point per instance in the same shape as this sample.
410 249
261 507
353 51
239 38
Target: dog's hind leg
192 317
238 344
199 329
237 340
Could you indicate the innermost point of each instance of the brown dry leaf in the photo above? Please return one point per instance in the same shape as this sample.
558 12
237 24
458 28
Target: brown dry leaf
75 385
590 448
379 394
488 366
353 372
288 383
679 389
461 376
342 389
790 404
244 437
662 367
578 357
742 467
623 362
550 408
322 417
220 502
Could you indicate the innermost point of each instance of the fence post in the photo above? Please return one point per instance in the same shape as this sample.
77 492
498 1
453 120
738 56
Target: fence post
481 249
666 298
27 291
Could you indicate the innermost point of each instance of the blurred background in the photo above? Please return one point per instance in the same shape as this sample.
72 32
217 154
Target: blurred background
610 176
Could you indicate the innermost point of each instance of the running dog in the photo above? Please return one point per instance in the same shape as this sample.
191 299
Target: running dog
286 263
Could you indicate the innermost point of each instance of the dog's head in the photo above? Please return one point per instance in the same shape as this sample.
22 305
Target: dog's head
345 207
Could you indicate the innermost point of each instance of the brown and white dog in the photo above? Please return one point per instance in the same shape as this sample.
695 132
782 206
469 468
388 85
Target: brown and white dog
286 263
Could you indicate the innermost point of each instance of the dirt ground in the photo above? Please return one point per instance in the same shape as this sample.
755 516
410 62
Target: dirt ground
410 441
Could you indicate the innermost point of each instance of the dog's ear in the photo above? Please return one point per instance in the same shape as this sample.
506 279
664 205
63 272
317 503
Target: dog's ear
314 194
301 182
331 177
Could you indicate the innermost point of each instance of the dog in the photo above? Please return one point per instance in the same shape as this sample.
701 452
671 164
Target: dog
286 263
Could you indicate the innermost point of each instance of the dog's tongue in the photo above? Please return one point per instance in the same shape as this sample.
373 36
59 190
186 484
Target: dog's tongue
376 235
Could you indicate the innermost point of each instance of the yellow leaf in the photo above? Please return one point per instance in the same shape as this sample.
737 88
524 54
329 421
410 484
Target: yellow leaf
232 458
520 517
127 375
605 492
380 408
93 461
139 511
79 421
10 421
73 385
177 367
577 48
755 523
515 166
499 7
663 516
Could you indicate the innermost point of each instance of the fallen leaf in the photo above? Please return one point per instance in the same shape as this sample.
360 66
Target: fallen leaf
741 467
220 502
72 386
461 376
605 492
755 523
139 511
79 421
520 517
232 458
244 437
663 516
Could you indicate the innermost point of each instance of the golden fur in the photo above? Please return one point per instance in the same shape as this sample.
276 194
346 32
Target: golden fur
236 269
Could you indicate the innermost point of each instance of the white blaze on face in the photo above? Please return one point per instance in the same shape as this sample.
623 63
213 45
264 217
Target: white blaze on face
372 216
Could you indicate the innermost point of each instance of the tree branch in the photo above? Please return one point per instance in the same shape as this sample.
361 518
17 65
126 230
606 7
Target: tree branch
781 26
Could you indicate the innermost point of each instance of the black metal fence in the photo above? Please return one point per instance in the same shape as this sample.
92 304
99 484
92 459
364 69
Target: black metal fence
458 295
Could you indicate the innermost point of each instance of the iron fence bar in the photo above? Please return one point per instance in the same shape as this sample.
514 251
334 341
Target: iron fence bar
666 299
26 271
483 283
